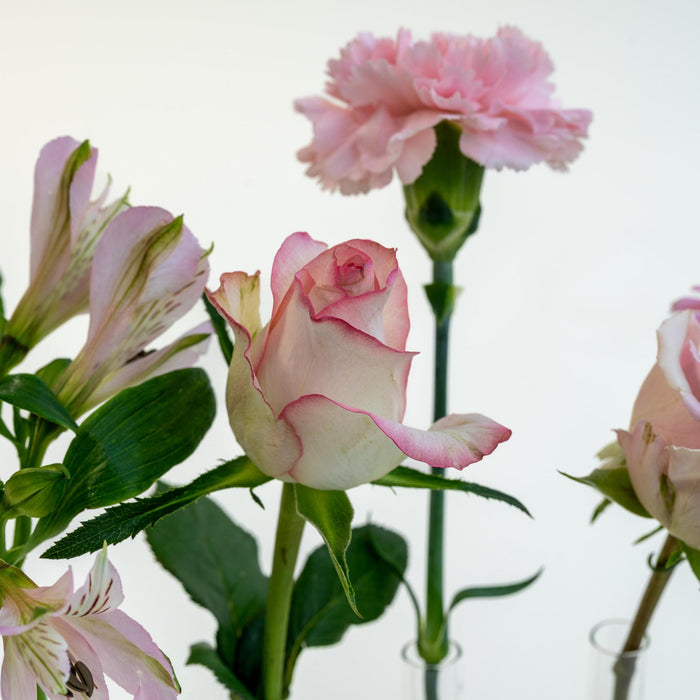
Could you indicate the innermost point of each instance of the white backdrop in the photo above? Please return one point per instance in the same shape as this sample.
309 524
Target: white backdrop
564 286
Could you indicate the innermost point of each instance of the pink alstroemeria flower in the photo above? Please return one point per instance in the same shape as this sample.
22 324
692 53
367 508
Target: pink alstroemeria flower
147 272
662 448
317 396
65 228
386 96
64 640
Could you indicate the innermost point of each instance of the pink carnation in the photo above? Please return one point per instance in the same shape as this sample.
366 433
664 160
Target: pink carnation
387 95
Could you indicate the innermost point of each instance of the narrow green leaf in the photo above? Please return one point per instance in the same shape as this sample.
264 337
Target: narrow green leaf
442 298
492 591
600 509
330 512
221 328
3 320
645 537
5 432
205 655
130 441
693 557
28 392
319 614
128 519
614 484
404 477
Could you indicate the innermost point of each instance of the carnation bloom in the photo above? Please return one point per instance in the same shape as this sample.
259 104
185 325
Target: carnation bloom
317 396
67 641
148 271
662 447
65 229
386 96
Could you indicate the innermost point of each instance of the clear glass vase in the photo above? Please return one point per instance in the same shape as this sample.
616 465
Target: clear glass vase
422 681
615 676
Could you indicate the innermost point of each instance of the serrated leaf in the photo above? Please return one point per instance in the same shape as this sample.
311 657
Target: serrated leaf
128 519
404 477
492 591
330 512
28 392
319 614
130 441
205 655
614 484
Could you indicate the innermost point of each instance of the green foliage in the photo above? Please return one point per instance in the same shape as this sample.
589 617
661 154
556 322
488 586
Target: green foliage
34 491
614 484
29 392
205 655
693 557
330 512
442 297
404 477
221 328
130 441
128 519
492 591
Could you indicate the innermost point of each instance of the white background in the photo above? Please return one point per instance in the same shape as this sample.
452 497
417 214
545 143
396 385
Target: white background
564 286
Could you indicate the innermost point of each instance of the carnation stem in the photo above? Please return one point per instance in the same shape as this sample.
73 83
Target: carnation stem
432 642
290 527
624 666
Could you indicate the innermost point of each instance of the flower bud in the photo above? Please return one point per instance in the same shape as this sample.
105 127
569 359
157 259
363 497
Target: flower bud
442 205
34 492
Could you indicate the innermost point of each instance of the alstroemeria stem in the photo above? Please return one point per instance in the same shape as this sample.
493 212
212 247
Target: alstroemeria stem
624 667
432 643
290 527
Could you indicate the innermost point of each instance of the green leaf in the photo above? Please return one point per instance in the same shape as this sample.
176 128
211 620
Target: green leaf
128 519
217 563
492 591
221 328
442 297
28 392
614 484
330 512
319 614
600 509
693 557
404 477
130 441
51 373
3 320
205 655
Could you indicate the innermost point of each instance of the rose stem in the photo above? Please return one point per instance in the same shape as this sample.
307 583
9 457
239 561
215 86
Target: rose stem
433 640
624 667
279 597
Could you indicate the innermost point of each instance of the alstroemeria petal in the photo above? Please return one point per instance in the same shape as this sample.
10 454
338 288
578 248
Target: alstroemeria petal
101 592
17 680
127 653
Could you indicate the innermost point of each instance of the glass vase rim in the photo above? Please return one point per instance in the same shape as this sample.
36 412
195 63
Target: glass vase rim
608 622
454 654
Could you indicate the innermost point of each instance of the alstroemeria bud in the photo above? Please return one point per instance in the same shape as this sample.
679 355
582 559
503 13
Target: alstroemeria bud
65 228
442 204
35 491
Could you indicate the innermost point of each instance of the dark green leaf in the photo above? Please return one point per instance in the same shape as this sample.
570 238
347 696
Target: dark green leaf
5 432
3 320
128 519
492 591
693 556
51 373
28 392
614 484
330 512
320 614
645 537
600 509
404 477
215 560
221 328
132 440
205 655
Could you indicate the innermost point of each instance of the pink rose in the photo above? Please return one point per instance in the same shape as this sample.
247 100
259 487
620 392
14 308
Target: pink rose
317 396
662 448
387 95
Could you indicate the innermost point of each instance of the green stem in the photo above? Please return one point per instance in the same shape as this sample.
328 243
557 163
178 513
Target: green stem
12 352
432 643
290 527
624 666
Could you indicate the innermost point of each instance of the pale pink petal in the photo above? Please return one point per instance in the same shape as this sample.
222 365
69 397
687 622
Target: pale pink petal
127 653
684 474
327 356
270 443
18 681
295 252
101 592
